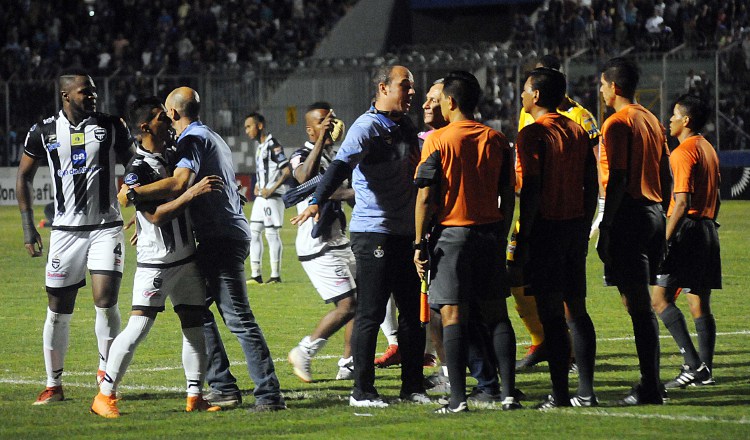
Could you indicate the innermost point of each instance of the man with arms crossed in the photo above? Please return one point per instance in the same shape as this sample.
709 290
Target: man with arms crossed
467 166
166 265
323 248
693 261
272 169
380 151
223 242
631 234
81 147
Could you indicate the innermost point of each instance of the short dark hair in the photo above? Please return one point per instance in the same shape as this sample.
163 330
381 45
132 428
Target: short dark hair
625 73
382 75
319 105
695 108
550 61
139 111
464 88
67 76
551 85
257 116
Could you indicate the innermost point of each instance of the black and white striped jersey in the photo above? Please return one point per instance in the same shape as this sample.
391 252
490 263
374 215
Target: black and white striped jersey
82 164
158 246
270 161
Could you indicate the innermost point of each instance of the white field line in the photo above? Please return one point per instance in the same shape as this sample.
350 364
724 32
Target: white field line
685 418
282 360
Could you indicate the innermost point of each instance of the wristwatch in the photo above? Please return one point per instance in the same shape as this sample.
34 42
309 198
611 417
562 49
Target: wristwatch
421 246
132 195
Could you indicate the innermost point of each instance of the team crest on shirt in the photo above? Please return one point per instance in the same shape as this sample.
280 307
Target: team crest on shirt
340 271
379 252
78 157
55 263
100 134
131 179
158 282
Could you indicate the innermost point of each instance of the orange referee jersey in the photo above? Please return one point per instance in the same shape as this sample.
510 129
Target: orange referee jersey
555 148
695 170
634 141
472 157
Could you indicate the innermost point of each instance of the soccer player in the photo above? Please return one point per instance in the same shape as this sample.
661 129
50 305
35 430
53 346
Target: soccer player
222 234
271 170
631 235
466 166
526 304
81 147
693 261
323 247
380 151
166 265
558 200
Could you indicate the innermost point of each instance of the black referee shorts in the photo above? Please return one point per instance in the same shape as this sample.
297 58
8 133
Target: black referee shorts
693 257
637 244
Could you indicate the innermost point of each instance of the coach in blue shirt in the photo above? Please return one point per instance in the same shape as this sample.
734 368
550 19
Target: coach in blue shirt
380 151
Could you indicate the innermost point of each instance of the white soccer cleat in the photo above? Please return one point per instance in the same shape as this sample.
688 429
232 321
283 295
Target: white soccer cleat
346 369
300 361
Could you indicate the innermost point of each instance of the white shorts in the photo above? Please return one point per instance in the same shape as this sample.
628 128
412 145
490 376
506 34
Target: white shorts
182 284
332 274
72 252
270 212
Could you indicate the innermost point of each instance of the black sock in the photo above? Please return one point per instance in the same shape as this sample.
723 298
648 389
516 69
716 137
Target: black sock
558 346
504 342
584 346
455 353
705 326
646 332
674 321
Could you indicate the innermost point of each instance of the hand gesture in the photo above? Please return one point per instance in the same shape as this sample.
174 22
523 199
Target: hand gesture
311 211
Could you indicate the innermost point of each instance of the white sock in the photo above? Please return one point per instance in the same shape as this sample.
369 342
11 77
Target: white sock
312 347
194 359
256 248
55 336
429 346
390 323
107 327
274 250
121 352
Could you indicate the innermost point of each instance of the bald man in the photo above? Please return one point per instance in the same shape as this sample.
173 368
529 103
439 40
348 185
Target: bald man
223 243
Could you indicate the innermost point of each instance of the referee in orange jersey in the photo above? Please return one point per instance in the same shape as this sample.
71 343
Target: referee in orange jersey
558 200
631 234
466 166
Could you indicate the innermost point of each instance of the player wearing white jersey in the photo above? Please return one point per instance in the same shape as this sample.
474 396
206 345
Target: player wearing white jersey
81 147
166 267
322 246
271 169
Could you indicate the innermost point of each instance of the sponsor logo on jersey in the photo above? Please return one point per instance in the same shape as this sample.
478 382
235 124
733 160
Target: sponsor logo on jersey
52 146
118 261
75 171
151 293
57 275
77 139
379 252
47 121
78 157
131 178
55 263
100 134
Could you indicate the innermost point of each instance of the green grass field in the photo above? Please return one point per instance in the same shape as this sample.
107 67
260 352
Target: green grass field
153 390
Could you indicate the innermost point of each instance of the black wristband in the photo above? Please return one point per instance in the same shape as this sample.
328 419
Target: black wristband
27 222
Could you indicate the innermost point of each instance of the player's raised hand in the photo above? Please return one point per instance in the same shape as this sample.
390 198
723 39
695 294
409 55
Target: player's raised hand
311 211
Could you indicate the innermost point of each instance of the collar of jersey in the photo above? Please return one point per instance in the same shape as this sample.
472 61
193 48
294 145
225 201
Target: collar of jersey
190 127
75 127
144 152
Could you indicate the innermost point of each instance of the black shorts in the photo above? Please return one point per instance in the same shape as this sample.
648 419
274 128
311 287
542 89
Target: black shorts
637 244
557 258
693 257
467 265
